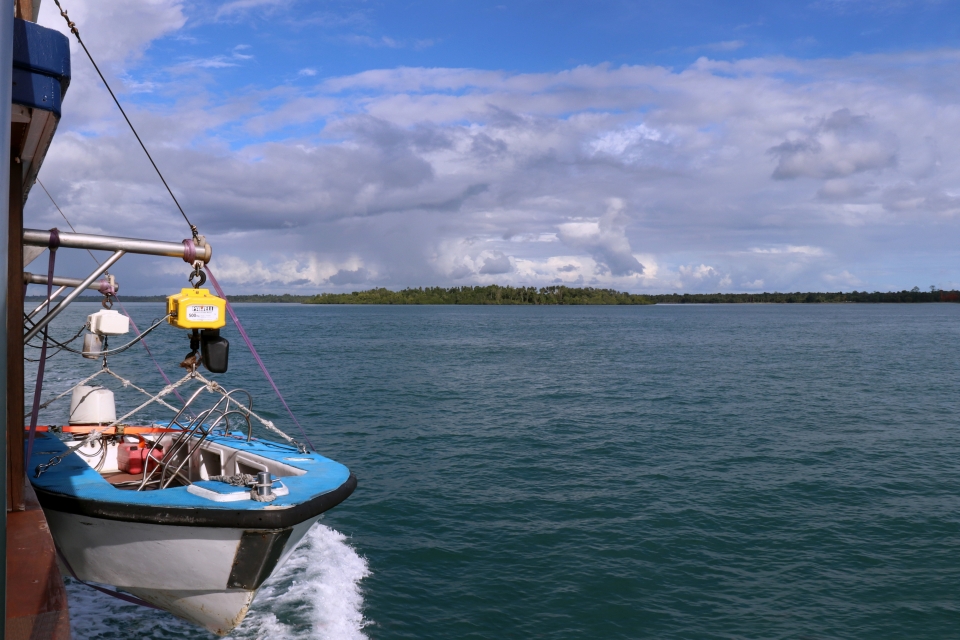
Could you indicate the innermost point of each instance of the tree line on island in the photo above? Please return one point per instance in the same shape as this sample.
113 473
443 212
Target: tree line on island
563 295
491 294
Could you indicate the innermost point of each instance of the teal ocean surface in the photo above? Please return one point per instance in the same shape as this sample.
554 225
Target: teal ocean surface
742 471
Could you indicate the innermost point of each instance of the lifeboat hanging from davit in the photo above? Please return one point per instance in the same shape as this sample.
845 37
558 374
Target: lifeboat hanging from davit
183 512
188 514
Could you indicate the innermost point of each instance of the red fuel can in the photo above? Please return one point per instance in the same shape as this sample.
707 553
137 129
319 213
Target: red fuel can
131 456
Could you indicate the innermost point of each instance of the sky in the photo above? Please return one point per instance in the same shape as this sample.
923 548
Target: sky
651 147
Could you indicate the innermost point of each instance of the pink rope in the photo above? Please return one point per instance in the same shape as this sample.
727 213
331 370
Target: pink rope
35 412
143 341
256 356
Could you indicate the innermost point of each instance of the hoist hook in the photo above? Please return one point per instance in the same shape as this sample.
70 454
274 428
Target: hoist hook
197 273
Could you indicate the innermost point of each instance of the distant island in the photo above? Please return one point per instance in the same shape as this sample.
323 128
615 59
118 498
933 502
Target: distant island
562 295
492 294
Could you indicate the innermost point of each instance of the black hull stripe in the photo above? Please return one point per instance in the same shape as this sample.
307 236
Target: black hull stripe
187 517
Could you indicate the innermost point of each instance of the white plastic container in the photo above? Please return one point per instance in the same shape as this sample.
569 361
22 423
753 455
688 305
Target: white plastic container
92 405
108 322
92 346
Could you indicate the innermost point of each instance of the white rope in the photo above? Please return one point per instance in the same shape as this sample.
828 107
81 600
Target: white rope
157 398
165 391
96 434
79 384
91 437
125 382
213 386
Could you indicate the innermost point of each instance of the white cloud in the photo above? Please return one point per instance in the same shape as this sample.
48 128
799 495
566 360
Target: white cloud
496 264
97 22
382 41
839 145
605 239
628 144
233 59
234 8
302 271
842 279
726 45
789 250
640 177
698 272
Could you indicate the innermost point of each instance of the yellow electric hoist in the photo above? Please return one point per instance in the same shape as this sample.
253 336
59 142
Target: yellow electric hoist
196 309
203 314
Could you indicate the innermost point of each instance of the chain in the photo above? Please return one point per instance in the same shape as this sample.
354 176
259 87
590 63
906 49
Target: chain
55 460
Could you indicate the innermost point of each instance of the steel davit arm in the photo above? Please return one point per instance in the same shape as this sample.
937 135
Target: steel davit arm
53 313
36 278
46 302
188 250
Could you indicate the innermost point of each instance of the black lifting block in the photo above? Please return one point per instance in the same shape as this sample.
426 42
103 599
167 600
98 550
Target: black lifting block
214 350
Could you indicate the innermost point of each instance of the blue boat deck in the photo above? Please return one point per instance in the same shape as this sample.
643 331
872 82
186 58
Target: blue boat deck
74 478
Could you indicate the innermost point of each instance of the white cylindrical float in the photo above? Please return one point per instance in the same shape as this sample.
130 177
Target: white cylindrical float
92 405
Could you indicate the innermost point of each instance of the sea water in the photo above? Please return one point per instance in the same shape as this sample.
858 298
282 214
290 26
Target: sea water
741 471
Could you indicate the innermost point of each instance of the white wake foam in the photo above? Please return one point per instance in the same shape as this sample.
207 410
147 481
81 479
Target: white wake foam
316 594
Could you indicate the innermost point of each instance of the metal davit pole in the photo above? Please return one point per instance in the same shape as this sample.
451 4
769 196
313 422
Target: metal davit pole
6 97
73 295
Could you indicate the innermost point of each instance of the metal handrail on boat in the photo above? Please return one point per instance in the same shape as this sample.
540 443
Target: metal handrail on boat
196 432
156 443
197 441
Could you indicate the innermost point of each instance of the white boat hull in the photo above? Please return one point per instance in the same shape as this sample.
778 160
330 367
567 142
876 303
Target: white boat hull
186 570
200 550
